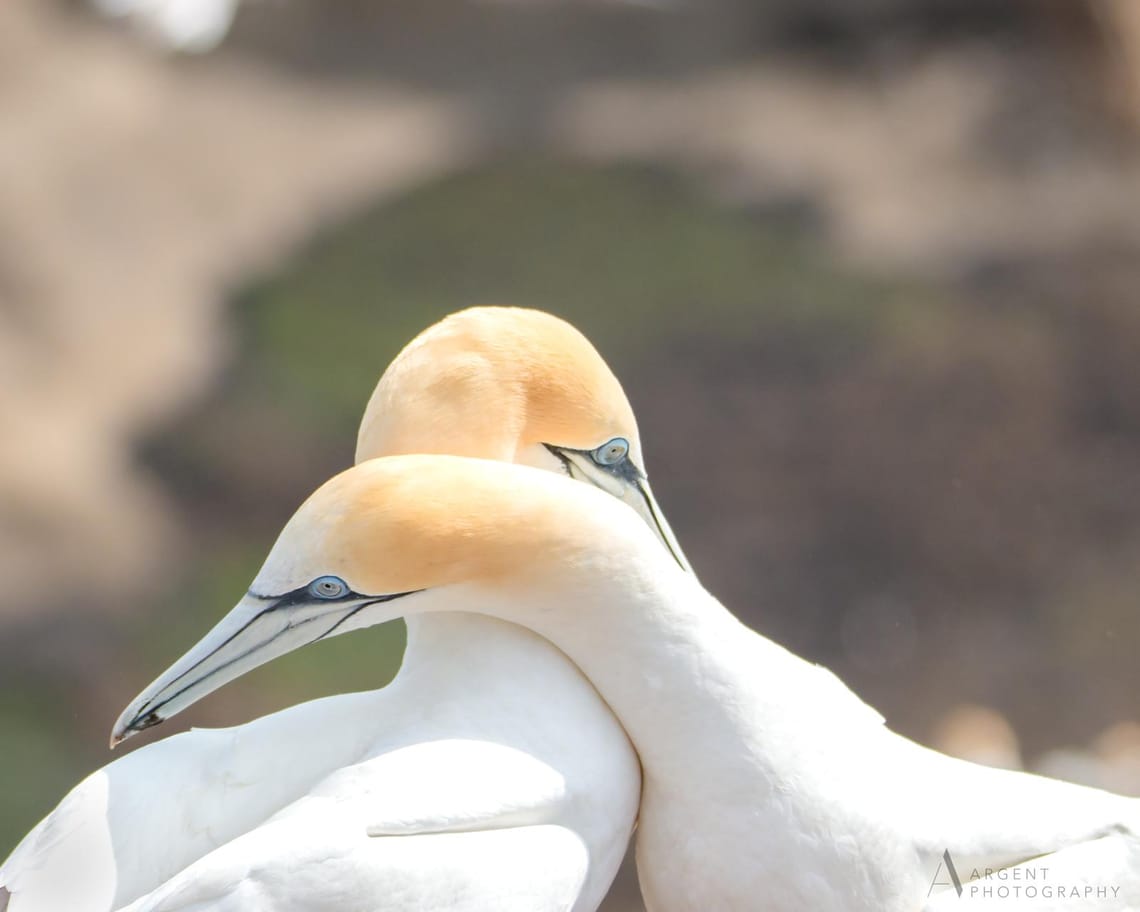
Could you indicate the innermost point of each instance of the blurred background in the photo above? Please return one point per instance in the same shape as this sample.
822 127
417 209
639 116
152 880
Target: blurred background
869 272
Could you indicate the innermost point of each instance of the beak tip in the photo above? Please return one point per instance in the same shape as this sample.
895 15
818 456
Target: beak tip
119 734
127 726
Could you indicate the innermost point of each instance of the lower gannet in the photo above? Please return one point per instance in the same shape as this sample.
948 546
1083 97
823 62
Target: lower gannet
768 785
488 776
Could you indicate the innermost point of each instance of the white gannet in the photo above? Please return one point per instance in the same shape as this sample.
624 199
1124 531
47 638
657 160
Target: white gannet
768 784
539 780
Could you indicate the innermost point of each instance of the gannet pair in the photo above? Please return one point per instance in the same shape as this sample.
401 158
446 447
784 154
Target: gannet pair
488 776
767 784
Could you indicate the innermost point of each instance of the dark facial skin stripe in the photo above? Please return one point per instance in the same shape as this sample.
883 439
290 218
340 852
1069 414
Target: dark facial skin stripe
561 457
625 468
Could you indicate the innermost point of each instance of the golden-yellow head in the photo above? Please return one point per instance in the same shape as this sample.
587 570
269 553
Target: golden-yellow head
405 523
515 385
497 383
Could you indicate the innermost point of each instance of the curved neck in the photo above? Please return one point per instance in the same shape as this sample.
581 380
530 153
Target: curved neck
700 695
649 648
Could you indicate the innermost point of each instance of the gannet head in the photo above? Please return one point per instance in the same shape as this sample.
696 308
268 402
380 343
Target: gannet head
406 535
515 385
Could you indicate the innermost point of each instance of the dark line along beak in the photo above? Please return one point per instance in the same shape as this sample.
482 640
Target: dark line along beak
625 481
258 629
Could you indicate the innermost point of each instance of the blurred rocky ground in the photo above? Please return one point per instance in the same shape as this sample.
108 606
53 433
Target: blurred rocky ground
869 272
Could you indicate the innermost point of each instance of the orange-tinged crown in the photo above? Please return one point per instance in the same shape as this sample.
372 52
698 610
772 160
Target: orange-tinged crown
492 382
404 523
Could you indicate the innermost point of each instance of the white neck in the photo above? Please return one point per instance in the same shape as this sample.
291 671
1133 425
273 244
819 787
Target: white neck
469 643
429 634
699 694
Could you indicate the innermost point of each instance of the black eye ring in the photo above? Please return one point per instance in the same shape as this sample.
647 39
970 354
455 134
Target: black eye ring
328 588
611 452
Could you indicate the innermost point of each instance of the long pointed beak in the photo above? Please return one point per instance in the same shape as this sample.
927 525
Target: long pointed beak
257 630
628 483
639 495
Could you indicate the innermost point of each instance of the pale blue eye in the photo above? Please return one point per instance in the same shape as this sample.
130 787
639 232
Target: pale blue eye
612 452
328 587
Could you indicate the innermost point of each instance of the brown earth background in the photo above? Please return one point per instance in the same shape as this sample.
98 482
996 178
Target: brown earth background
869 272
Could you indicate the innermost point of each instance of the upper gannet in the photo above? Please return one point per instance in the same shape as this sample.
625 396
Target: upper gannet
767 783
540 779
